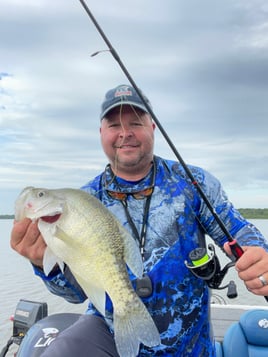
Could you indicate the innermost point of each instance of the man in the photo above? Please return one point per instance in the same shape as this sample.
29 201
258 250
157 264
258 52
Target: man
153 198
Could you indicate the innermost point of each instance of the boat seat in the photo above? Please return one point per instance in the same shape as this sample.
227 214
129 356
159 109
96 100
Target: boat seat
249 336
43 332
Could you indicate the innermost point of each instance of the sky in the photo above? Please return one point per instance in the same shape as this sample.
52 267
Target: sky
203 65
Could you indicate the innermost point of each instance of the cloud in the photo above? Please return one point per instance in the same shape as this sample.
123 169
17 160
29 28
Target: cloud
204 69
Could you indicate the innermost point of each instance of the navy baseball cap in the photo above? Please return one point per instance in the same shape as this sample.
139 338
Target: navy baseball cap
122 95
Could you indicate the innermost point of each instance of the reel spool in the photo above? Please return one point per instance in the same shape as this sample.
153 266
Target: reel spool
205 265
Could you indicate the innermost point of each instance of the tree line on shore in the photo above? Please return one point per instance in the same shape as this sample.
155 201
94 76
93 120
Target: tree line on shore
254 213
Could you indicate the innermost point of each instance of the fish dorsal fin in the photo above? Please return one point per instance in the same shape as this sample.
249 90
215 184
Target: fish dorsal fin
132 253
50 260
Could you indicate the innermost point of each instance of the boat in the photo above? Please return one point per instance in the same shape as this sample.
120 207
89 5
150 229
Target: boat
239 330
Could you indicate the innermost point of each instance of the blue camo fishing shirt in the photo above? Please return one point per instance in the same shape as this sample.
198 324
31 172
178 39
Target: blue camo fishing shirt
177 222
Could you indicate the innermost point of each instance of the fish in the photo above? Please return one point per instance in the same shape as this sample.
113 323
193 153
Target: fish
82 233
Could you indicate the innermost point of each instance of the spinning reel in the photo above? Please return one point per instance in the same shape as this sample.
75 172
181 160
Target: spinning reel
205 265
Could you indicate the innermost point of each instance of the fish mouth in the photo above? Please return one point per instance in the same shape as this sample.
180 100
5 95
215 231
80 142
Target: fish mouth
47 213
51 218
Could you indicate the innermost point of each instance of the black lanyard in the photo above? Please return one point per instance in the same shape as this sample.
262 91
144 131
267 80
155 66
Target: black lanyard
141 238
144 287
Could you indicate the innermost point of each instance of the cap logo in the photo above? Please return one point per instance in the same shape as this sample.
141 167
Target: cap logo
123 91
123 95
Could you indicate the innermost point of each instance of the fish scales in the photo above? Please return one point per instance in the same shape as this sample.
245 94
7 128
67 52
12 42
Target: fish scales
80 232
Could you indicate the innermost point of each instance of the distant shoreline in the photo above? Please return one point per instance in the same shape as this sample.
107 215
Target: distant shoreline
7 216
248 213
254 213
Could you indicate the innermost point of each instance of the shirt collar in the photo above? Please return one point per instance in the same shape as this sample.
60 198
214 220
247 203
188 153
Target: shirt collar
113 183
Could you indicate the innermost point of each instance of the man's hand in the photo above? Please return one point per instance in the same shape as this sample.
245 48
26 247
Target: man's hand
252 268
27 241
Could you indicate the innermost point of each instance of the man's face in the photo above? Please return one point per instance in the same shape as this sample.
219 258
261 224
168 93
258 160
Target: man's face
127 136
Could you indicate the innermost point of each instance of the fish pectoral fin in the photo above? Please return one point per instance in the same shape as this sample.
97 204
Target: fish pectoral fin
96 294
132 253
62 235
50 260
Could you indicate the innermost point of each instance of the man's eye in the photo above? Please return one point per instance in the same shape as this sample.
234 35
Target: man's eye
137 124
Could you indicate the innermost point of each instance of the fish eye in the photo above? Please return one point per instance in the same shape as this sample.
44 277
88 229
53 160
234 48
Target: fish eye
41 194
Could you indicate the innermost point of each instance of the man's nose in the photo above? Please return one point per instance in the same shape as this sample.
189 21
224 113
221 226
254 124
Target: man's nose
126 132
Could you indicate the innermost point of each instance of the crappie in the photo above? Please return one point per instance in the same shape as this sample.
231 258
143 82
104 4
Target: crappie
82 233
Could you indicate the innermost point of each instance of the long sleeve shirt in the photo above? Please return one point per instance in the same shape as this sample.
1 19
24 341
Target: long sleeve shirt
177 223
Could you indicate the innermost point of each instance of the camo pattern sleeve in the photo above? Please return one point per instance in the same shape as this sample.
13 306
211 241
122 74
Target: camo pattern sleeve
64 285
241 229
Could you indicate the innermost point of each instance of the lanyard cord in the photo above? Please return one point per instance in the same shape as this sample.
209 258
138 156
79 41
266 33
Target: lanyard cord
144 286
141 238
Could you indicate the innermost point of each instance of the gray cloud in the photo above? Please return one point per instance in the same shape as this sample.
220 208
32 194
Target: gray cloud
203 66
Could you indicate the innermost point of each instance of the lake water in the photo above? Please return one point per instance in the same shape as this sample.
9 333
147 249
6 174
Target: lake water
19 282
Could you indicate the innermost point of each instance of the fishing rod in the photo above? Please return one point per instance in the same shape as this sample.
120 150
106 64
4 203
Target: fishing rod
200 259
236 249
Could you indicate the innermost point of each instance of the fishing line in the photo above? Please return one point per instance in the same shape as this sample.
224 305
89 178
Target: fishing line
124 130
236 250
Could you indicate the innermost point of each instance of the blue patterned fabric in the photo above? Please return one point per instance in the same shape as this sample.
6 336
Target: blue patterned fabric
177 222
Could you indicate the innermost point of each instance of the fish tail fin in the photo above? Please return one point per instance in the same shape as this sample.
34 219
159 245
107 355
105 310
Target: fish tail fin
133 328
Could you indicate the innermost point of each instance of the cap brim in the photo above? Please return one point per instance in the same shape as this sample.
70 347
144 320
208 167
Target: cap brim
134 104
